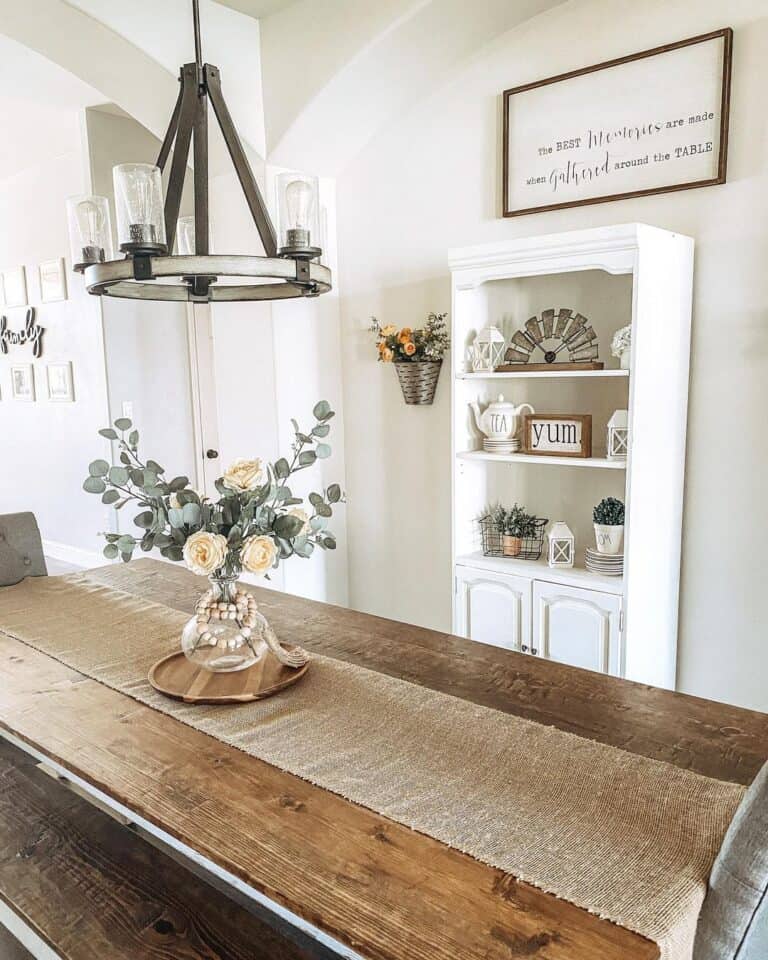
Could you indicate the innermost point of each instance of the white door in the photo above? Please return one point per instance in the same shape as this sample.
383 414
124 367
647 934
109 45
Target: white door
577 627
493 608
208 465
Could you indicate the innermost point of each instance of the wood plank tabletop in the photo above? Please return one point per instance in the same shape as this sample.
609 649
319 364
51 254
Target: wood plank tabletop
381 888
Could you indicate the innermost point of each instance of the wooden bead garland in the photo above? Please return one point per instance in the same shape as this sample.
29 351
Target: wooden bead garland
242 611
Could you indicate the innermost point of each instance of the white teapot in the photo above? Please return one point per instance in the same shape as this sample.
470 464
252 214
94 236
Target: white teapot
500 419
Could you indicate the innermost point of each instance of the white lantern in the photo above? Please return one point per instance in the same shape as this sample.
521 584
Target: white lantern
487 351
618 435
561 545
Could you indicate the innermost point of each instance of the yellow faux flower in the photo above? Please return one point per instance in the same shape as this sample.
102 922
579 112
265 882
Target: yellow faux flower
257 554
388 330
387 355
409 348
205 552
243 475
405 335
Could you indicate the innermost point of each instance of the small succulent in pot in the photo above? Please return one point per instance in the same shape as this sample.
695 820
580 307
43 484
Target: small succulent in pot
517 525
608 517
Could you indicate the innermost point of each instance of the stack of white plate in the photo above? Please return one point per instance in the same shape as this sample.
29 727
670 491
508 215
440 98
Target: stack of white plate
606 564
501 446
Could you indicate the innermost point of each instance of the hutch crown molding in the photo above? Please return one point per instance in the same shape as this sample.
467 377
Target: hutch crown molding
630 273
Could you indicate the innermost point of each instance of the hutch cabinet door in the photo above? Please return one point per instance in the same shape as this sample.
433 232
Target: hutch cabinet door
579 627
493 608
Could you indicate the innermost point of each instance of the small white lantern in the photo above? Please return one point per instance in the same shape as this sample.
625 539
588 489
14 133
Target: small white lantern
487 350
561 545
618 435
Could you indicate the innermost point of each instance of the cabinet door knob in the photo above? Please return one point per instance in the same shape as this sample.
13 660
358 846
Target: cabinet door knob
534 651
524 648
211 454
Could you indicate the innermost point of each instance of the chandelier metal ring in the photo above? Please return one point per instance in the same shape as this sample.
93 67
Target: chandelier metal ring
117 278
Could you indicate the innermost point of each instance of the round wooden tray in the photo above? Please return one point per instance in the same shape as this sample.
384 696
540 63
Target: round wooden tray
176 676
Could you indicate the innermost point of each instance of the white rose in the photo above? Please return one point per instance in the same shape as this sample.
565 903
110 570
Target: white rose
257 554
244 475
303 516
205 552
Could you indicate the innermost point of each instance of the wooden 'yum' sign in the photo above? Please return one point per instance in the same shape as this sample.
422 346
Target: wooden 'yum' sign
558 434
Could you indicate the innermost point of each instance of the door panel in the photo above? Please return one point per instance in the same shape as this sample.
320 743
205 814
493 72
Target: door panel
493 608
577 627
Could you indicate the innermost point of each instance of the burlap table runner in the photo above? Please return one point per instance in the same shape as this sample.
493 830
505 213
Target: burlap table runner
627 838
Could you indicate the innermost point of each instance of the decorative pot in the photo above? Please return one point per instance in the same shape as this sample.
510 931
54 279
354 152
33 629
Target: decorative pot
511 546
609 538
227 632
418 379
624 359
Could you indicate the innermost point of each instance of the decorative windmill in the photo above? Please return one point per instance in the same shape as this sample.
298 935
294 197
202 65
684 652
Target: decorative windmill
555 335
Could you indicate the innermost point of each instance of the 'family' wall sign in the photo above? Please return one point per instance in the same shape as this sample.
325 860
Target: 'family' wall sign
32 333
647 123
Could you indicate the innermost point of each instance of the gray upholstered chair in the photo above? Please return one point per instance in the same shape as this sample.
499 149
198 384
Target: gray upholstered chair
21 549
734 920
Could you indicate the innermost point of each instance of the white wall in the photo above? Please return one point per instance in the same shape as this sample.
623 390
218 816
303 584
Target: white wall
45 447
429 182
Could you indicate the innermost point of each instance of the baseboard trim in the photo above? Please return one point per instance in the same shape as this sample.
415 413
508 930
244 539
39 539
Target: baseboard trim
78 557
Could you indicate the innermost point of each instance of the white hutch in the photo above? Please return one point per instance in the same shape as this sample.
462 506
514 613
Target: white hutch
632 273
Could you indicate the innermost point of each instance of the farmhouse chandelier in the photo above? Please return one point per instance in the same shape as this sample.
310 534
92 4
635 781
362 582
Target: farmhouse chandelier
147 229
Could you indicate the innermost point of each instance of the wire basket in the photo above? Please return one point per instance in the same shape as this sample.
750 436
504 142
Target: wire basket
418 379
495 544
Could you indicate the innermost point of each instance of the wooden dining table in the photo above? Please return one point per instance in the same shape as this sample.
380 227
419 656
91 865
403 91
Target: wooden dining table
325 876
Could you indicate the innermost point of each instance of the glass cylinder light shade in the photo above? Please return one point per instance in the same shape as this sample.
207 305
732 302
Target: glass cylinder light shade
298 211
561 545
90 231
185 236
139 208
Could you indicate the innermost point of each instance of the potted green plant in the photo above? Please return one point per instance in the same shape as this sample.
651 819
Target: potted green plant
608 517
516 527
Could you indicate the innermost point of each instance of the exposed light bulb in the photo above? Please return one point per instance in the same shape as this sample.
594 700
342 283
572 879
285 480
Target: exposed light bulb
300 200
90 223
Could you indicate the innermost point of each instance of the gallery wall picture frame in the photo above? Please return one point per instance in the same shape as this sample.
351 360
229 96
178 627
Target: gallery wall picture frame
52 275
60 382
23 382
648 123
558 434
15 286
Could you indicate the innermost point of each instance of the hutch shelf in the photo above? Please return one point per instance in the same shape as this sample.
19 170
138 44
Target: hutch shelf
626 274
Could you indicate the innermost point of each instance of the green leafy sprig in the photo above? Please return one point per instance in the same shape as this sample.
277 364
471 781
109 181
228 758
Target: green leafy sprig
172 510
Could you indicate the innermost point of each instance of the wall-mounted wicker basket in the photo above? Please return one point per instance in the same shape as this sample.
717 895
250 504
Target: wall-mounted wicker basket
418 379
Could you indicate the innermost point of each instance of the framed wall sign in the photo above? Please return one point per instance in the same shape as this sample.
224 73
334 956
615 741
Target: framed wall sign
23 381
59 380
15 286
558 434
648 123
53 280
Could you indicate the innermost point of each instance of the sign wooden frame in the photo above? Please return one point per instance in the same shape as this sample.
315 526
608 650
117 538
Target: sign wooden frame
585 421
725 34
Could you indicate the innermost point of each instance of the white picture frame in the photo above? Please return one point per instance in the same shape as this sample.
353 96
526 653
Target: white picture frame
23 382
53 280
15 286
59 381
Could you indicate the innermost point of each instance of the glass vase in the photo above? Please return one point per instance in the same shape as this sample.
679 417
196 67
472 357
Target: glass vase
227 632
